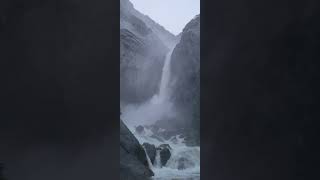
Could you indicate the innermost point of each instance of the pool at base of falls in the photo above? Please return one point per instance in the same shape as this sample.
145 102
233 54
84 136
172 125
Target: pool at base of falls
175 174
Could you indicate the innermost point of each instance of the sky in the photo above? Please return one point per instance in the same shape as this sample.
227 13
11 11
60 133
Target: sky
171 14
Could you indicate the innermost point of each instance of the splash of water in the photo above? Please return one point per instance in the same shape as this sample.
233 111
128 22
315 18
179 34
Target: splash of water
184 162
148 159
157 162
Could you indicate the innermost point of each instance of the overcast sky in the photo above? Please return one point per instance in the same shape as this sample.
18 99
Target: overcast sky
171 14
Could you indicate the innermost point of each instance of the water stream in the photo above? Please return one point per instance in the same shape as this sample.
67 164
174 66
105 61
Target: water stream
157 161
164 83
184 163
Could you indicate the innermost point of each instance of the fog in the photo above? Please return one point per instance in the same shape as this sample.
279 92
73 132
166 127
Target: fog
147 113
158 107
160 90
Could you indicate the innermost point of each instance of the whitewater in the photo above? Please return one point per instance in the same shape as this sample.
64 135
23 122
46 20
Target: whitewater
179 150
158 107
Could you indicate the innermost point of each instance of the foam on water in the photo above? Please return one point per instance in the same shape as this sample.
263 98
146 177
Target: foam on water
184 163
189 169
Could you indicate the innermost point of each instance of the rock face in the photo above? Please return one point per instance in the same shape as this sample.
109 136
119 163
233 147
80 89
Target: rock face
165 153
151 151
133 160
165 36
185 69
140 129
142 52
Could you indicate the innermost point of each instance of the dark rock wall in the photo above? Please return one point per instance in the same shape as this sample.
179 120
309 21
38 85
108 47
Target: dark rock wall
133 159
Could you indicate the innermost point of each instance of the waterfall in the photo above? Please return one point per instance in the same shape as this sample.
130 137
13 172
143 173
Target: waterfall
184 162
157 161
156 108
163 93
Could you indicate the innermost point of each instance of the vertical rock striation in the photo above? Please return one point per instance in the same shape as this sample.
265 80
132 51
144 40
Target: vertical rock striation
185 69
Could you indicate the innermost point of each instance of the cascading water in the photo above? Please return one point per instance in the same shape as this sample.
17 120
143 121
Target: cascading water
157 161
163 90
184 162
163 94
148 159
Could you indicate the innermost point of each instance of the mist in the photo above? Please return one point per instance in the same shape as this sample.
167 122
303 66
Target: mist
147 113
160 94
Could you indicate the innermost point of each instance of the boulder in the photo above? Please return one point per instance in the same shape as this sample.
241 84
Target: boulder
133 159
140 129
151 151
165 153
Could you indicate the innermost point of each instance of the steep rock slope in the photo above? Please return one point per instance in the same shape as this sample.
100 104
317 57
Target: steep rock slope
142 52
185 69
133 161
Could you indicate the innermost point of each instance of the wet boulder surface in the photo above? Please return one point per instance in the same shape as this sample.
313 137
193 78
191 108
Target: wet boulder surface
151 151
165 153
133 159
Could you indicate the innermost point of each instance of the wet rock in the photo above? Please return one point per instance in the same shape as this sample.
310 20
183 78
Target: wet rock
133 159
151 151
165 153
186 91
140 129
